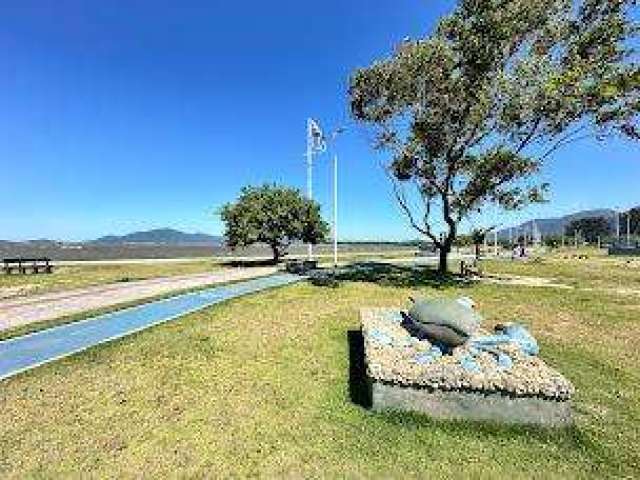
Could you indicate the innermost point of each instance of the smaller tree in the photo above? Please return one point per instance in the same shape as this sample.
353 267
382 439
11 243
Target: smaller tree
477 236
552 241
589 228
274 215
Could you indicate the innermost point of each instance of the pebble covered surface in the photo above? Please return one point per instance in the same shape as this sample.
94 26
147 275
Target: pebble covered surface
394 356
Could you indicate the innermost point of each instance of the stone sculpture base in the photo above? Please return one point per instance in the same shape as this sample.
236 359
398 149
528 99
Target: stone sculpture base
458 405
401 375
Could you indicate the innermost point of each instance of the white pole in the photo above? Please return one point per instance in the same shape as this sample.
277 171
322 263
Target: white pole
335 211
495 232
618 225
309 175
629 228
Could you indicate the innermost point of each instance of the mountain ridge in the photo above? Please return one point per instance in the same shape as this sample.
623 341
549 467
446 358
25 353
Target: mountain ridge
557 225
159 236
173 237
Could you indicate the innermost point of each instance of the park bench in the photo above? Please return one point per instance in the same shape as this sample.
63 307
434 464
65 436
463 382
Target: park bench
301 267
470 268
24 265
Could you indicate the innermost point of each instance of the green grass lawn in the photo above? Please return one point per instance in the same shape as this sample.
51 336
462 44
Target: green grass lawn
595 271
69 277
259 386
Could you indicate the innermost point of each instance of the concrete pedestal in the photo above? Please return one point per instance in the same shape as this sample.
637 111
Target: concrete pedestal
458 405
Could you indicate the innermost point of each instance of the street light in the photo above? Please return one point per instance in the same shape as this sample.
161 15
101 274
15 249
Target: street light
495 231
332 139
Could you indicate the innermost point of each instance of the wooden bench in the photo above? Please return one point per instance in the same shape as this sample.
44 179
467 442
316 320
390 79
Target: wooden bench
470 269
24 265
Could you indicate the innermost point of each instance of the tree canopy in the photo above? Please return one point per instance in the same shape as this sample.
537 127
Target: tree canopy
273 215
470 113
590 228
633 217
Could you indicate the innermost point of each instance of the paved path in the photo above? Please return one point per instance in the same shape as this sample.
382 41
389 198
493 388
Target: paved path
36 308
29 351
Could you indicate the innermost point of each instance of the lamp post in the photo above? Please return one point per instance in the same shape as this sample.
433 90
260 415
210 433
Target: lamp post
332 140
496 251
335 210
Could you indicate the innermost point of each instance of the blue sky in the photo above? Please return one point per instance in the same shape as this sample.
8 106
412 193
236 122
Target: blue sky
125 115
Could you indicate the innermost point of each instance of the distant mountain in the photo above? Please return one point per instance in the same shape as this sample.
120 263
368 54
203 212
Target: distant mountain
38 243
556 226
161 236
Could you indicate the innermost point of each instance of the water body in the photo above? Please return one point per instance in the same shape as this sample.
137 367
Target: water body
29 351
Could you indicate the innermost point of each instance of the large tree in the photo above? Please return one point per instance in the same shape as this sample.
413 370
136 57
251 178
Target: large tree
274 215
471 112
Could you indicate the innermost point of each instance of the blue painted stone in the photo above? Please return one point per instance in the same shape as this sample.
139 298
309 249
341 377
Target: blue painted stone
469 364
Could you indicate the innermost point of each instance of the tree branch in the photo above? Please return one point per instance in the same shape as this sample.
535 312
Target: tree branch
571 137
530 136
402 201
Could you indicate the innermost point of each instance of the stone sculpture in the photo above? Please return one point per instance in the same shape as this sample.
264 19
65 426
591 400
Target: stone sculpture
441 346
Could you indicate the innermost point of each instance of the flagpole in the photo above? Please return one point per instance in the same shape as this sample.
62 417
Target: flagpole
309 175
316 142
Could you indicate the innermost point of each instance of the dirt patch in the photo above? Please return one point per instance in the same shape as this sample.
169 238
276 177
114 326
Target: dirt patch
524 281
520 281
11 292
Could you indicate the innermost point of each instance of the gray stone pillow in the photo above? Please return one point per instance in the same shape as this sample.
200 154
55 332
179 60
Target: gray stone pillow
437 334
447 313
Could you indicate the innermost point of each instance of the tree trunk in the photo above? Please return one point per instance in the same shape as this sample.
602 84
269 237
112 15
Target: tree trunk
445 249
276 254
447 242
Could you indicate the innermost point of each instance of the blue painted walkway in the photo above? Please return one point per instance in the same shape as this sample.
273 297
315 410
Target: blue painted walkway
29 351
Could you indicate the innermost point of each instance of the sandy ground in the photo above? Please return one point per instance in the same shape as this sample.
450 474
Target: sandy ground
515 280
37 308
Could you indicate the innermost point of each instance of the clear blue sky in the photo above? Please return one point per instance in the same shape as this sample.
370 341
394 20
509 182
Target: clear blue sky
124 115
